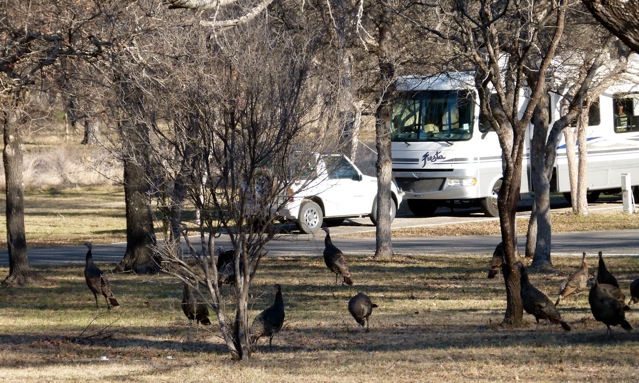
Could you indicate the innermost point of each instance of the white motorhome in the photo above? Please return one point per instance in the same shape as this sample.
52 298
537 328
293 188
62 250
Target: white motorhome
444 153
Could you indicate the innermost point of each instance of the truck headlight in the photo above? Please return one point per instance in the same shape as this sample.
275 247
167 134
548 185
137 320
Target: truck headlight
452 182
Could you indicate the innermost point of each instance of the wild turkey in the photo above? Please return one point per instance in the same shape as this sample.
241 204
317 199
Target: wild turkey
97 281
634 292
576 282
361 307
609 283
606 308
496 261
224 257
334 259
269 322
537 303
603 275
225 266
193 306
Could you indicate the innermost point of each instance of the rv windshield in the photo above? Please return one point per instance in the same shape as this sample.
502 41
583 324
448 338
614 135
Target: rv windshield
433 115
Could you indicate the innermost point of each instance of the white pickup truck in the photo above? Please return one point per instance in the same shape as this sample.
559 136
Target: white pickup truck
331 189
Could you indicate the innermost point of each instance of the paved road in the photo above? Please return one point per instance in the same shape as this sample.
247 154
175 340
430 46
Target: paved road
625 242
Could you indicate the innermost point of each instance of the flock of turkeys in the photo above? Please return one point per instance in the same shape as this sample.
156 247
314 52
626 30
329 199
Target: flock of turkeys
268 322
607 301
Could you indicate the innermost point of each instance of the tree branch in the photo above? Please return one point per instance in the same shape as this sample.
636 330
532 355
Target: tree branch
199 4
240 20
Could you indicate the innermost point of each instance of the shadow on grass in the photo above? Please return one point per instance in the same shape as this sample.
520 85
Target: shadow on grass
485 341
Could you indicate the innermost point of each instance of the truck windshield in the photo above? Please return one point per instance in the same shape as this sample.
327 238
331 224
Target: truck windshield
433 115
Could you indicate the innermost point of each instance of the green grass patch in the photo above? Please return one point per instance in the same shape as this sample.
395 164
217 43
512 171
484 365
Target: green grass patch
438 319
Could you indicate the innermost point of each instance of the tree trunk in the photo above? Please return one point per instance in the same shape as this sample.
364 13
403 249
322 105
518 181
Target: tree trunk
181 184
20 273
140 235
571 155
384 178
582 176
90 131
541 185
532 232
514 306
507 212
509 195
70 118
346 114
357 124
382 136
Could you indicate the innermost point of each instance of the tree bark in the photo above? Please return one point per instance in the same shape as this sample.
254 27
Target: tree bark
384 246
382 136
582 166
571 156
140 235
20 273
541 186
509 196
90 131
619 17
514 306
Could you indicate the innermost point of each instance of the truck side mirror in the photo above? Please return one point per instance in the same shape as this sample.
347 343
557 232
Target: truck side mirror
357 177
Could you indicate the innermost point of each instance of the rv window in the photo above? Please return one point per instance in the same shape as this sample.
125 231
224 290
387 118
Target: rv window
433 115
625 117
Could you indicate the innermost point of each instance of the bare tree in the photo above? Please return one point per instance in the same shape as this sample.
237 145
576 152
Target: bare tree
233 121
582 71
385 91
377 45
613 65
501 40
372 33
36 36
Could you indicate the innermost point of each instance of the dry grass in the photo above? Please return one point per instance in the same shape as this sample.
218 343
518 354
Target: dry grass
437 321
561 222
71 216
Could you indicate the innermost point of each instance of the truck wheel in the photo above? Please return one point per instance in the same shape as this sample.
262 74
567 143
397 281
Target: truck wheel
489 205
310 218
393 211
422 207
